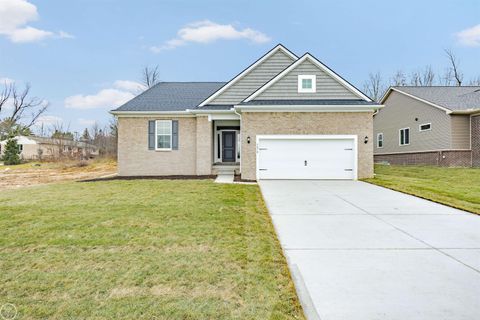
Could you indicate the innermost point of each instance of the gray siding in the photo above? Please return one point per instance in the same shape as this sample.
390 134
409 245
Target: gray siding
287 87
460 131
254 79
399 112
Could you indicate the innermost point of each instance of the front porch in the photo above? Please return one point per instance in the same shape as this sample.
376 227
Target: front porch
226 146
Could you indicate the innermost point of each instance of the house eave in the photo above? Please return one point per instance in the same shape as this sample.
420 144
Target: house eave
303 108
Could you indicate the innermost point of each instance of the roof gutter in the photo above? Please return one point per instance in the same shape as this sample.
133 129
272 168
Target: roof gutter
199 111
303 108
469 111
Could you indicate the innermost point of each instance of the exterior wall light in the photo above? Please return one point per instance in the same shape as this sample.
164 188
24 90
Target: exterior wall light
365 140
248 140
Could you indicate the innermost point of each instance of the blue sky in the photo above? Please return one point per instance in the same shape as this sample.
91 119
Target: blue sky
84 57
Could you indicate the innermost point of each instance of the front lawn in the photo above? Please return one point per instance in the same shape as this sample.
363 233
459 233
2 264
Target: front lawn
457 187
142 249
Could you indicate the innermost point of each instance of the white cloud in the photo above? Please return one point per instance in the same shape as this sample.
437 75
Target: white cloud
120 92
47 121
14 16
86 122
29 34
130 86
65 35
469 37
106 98
207 31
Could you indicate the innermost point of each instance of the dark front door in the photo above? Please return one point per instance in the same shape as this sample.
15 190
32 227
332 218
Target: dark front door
228 146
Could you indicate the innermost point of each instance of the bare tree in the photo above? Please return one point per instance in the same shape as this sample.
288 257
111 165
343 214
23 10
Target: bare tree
457 74
428 76
25 110
399 79
374 86
150 76
5 94
474 81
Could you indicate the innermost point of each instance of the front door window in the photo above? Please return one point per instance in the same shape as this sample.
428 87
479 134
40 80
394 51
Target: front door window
228 146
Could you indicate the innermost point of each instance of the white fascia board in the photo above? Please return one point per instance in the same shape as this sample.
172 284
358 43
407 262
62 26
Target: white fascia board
302 108
319 65
199 111
246 71
385 96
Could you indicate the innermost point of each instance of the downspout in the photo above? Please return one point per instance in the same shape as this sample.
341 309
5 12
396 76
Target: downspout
241 138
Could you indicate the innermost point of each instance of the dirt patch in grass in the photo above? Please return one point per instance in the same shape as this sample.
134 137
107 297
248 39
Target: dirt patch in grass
36 173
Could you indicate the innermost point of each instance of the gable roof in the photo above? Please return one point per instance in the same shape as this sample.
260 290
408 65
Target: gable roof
171 96
321 66
267 55
448 98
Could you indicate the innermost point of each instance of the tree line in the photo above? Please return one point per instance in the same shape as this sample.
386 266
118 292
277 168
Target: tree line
376 85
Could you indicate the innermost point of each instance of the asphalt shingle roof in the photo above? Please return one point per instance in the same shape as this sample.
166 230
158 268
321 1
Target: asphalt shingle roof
172 96
453 98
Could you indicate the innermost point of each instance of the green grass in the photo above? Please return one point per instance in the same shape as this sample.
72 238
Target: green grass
456 187
142 249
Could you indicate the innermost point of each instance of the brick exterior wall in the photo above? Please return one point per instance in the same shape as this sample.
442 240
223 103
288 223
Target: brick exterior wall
204 148
134 158
447 158
348 123
475 141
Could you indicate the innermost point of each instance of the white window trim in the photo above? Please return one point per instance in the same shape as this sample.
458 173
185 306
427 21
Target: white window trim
307 77
156 135
424 124
400 137
378 135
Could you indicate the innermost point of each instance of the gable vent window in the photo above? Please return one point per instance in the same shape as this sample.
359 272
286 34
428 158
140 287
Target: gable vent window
307 83
425 127
404 136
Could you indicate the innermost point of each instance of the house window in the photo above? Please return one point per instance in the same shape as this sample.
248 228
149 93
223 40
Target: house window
380 140
425 127
307 83
163 135
404 136
20 147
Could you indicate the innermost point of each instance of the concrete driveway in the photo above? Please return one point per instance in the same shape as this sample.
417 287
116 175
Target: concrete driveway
358 251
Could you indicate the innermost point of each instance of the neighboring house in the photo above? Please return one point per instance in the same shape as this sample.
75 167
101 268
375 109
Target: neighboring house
283 117
429 125
36 148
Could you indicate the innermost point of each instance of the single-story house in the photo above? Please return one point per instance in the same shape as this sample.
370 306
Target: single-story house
429 125
36 148
283 117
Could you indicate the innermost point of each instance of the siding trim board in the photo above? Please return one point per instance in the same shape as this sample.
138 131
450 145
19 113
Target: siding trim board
247 70
321 66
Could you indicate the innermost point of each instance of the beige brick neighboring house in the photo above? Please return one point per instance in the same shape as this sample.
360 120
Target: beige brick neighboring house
429 125
283 117
37 148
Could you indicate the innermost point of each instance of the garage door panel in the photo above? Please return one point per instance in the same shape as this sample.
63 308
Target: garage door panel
306 158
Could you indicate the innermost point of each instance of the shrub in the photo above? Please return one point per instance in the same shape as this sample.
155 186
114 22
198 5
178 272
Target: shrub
11 155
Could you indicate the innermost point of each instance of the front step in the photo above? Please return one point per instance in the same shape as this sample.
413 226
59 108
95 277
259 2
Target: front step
225 169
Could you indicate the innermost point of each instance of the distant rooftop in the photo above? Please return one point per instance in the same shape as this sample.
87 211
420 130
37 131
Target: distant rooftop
453 98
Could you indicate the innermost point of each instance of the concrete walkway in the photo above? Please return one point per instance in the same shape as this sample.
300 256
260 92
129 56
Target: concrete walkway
365 252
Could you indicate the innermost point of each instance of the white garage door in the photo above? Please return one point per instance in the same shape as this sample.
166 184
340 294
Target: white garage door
306 157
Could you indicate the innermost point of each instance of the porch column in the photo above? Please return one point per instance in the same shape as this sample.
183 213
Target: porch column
204 146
